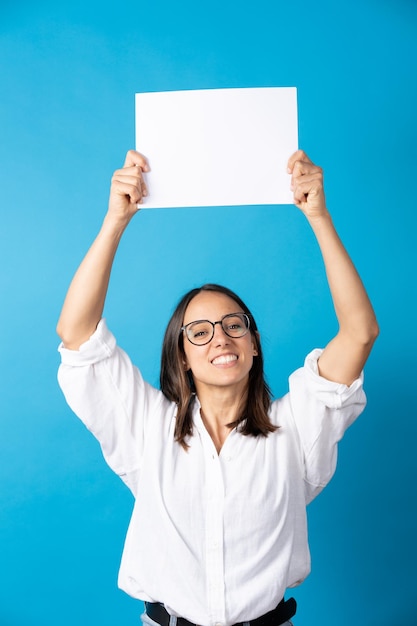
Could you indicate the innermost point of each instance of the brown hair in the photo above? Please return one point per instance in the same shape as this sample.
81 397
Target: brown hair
178 385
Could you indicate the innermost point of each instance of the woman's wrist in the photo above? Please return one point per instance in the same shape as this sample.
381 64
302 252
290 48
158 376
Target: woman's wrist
114 226
321 221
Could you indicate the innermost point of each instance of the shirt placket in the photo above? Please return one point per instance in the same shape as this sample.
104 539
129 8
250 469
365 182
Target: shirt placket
214 540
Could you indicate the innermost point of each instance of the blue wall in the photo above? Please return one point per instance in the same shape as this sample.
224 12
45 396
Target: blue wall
69 72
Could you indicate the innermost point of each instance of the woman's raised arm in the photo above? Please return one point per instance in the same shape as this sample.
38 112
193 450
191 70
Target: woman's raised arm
345 355
84 302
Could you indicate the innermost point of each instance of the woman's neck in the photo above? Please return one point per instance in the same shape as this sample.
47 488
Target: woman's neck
219 409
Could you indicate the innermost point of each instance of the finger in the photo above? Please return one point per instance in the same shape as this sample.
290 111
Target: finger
133 192
129 185
299 155
313 177
131 176
134 158
304 168
316 175
306 188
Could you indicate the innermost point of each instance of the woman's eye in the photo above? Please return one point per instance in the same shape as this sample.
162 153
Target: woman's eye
199 333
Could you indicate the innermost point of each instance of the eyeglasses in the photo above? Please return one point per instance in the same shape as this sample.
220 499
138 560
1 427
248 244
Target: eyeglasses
200 332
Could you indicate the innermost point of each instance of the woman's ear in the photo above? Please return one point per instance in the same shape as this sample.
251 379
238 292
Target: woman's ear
255 345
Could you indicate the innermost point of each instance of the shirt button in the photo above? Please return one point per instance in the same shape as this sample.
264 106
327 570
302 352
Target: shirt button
218 624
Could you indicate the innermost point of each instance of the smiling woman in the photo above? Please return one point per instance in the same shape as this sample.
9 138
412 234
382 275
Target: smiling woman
221 475
215 363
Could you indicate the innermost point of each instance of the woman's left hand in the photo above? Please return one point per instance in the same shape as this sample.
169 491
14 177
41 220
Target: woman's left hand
307 185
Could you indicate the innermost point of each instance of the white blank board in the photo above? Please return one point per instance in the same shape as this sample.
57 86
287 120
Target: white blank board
217 147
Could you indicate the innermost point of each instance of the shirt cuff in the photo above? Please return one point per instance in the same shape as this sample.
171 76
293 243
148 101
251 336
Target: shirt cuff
99 346
332 394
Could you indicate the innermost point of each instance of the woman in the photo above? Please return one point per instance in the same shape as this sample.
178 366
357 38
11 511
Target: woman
220 474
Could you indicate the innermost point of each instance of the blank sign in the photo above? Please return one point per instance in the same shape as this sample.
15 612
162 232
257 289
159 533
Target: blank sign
217 147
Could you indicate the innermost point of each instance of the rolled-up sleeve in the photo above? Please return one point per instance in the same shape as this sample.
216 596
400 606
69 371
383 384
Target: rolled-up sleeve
107 392
322 411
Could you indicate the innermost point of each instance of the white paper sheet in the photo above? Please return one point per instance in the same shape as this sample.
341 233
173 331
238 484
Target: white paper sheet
217 147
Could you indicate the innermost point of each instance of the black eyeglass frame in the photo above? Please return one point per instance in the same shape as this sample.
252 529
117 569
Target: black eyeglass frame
213 324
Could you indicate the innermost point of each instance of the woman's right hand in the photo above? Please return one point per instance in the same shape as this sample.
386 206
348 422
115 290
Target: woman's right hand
128 188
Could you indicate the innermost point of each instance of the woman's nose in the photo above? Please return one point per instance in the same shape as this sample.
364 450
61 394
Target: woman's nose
219 337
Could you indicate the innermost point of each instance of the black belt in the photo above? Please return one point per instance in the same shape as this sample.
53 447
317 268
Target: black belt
281 614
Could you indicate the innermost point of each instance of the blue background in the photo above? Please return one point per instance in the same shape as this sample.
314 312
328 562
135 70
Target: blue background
69 72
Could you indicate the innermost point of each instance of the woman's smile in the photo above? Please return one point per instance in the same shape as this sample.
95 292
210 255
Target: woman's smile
225 360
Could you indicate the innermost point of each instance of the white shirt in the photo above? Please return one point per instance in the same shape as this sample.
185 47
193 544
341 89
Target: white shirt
215 537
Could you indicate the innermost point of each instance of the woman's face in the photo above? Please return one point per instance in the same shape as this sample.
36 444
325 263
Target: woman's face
224 361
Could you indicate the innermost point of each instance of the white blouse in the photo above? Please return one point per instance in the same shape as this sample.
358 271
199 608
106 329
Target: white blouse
217 538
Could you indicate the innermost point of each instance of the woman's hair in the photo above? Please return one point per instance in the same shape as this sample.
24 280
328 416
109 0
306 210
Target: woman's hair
178 386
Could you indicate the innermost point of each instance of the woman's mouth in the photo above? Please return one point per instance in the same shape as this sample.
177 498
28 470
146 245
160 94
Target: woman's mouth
224 359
